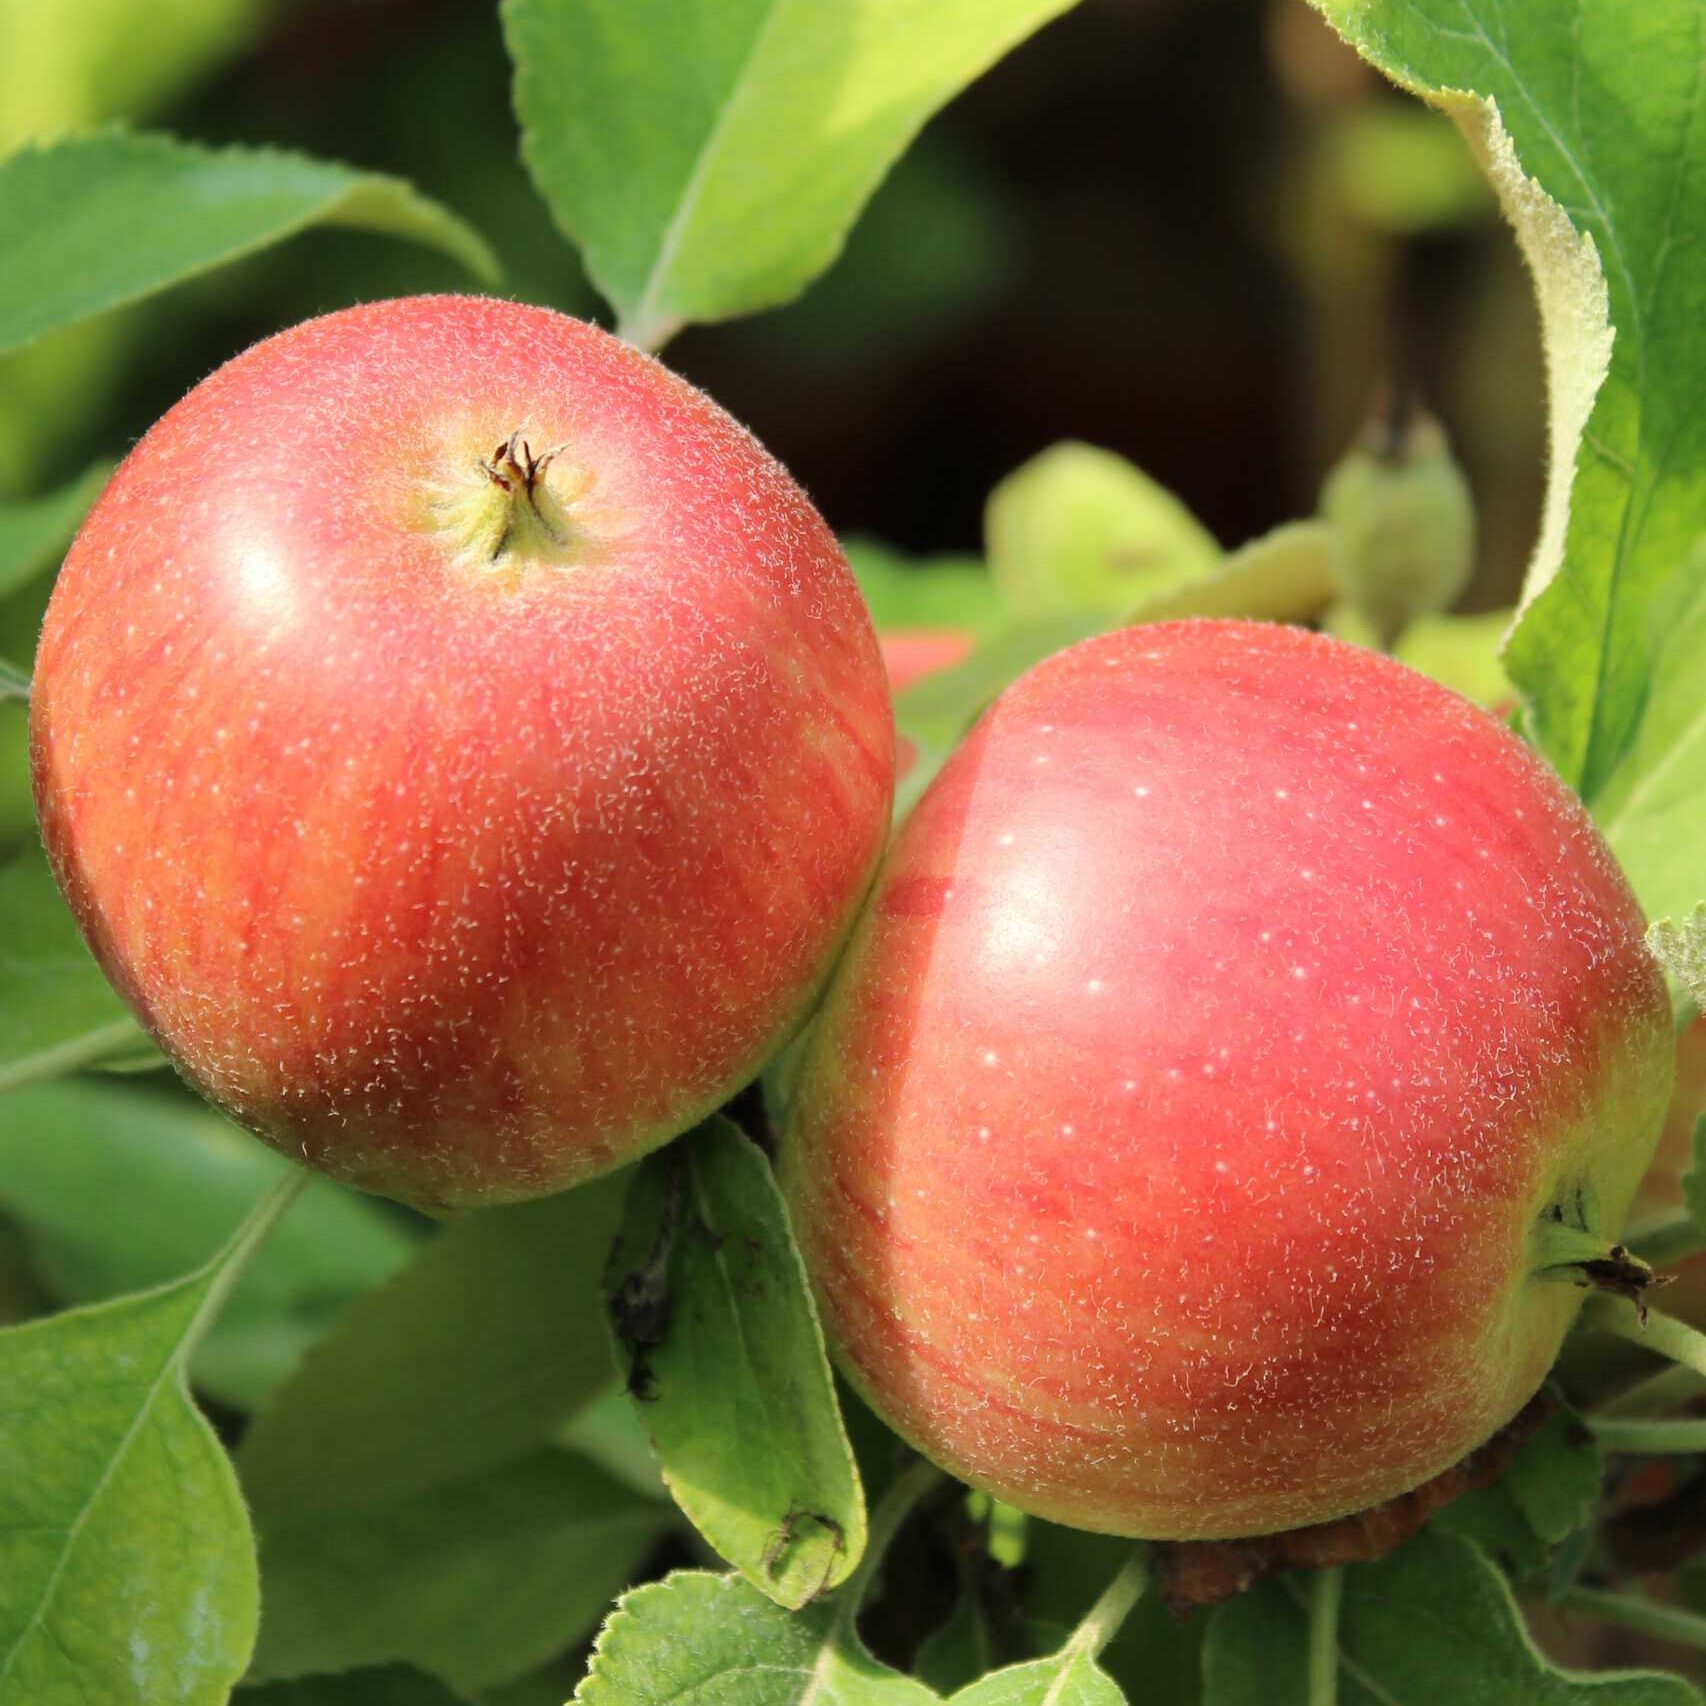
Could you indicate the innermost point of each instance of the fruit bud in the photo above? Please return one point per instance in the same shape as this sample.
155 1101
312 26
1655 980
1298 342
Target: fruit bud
1403 521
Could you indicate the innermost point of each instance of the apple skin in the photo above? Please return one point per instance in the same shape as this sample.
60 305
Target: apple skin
1171 1151
462 852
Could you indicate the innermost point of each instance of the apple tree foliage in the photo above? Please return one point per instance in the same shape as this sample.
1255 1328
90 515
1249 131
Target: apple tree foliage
282 1445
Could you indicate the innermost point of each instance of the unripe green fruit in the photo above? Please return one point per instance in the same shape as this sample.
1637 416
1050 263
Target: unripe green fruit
1403 524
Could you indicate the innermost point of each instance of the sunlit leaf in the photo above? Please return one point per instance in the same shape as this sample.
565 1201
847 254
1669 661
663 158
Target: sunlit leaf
1590 136
1681 949
710 160
925 592
1653 807
1079 529
1070 1678
94 221
127 1570
726 1362
695 1637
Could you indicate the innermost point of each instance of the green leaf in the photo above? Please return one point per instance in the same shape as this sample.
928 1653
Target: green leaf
717 1641
141 1056
1071 1676
1285 575
1547 1492
1681 950
549 1685
1459 652
969 1645
1068 1678
1591 138
21 1296
1435 1609
607 1431
710 160
1398 169
1079 529
127 1571
961 1650
388 1685
124 56
95 221
1694 1180
710 1309
1257 1650
470 1358
14 683
1653 808
61 1013
926 592
123 1186
475 1583
33 534
1156 1653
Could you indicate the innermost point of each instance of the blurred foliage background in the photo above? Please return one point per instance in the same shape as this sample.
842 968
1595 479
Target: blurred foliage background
1199 232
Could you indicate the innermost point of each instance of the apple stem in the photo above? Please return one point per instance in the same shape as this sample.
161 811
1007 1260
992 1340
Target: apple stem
1326 1590
1633 1611
85 1050
1656 1332
1656 1394
907 1488
231 1261
647 331
1570 1256
1636 1438
510 510
1102 1621
1662 1242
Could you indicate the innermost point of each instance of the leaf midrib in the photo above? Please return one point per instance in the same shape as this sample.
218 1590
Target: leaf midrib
639 322
1592 734
73 1534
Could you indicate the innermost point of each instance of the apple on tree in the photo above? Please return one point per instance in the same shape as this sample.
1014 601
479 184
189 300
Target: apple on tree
462 745
1243 1035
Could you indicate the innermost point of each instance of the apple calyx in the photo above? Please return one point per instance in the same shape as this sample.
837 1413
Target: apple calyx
1573 1256
515 512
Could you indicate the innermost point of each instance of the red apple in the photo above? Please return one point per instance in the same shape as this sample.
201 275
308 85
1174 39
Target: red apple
462 745
1239 1023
